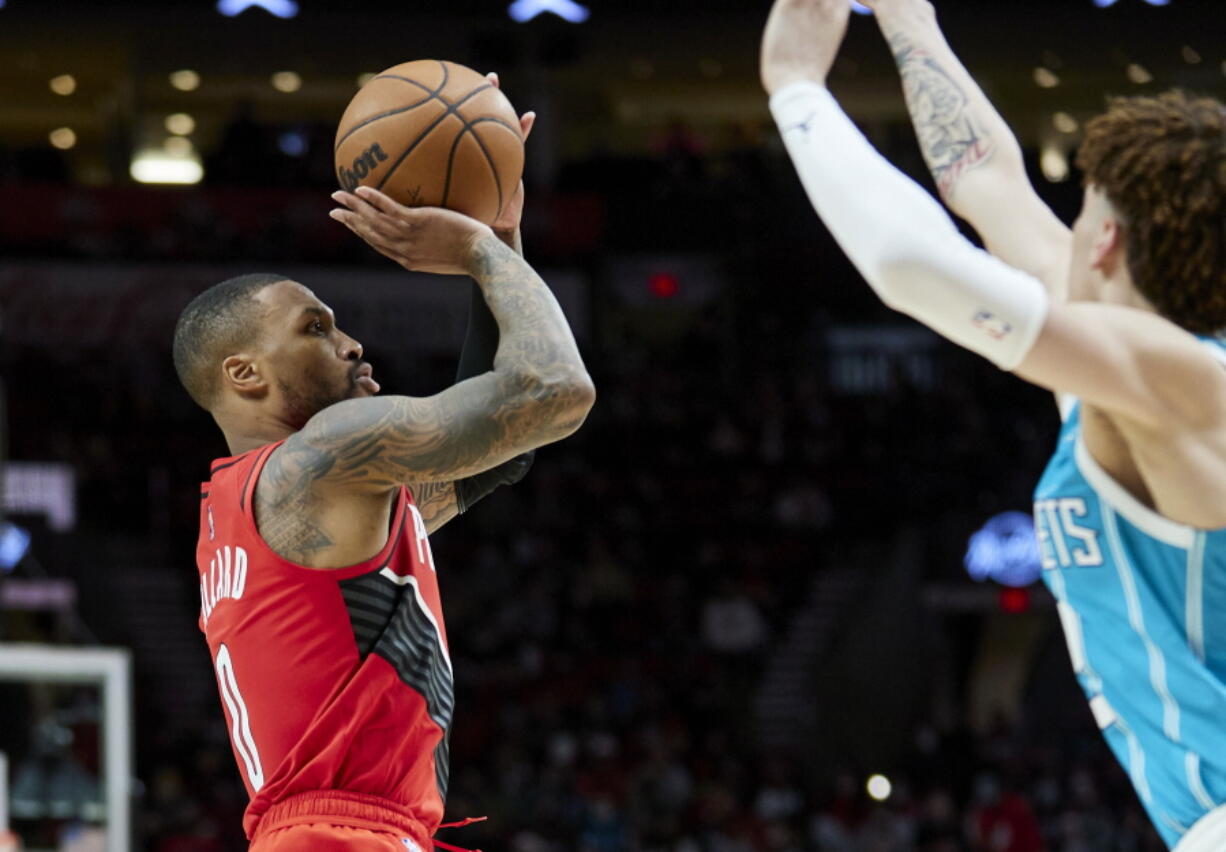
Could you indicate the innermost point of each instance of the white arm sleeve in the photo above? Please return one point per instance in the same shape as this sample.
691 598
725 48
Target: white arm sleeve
899 237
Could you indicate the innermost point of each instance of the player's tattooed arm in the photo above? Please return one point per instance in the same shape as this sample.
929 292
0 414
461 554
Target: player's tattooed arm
437 503
949 135
288 509
974 157
537 393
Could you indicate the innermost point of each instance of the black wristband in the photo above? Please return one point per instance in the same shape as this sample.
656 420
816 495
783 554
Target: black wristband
471 489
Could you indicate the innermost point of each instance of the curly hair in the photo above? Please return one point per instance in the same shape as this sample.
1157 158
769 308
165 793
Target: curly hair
1161 161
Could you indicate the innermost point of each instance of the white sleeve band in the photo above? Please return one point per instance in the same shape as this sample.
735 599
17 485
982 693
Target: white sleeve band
899 237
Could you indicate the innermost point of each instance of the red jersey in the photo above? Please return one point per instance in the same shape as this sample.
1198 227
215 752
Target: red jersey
329 679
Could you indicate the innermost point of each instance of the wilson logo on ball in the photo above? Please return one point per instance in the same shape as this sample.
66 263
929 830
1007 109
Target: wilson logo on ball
363 164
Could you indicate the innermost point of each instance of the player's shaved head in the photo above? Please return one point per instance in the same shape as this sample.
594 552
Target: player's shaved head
217 323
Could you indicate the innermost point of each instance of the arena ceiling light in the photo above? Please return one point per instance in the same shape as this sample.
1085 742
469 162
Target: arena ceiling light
1053 162
567 10
63 84
277 8
179 123
1103 4
1065 123
185 80
63 138
160 166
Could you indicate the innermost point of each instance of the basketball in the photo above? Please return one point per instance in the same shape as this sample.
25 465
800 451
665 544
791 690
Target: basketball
432 133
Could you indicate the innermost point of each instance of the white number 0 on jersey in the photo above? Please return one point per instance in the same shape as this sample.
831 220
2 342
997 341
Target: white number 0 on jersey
240 723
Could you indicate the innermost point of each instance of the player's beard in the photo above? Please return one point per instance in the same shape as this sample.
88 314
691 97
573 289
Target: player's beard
308 398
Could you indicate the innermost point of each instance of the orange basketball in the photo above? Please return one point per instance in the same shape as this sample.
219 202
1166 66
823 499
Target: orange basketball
432 133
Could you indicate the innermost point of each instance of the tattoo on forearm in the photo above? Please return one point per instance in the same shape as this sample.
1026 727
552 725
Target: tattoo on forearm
950 138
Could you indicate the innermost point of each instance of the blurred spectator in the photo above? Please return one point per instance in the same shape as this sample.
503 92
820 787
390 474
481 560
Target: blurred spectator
731 624
1001 820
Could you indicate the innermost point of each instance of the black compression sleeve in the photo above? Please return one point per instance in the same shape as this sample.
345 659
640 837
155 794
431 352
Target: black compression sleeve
481 340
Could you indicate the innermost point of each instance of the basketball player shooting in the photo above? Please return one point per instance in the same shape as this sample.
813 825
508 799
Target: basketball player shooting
318 592
1118 316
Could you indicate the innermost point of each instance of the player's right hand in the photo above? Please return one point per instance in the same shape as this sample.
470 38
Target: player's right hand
801 40
421 239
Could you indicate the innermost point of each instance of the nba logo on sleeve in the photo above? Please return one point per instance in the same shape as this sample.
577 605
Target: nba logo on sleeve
996 327
410 845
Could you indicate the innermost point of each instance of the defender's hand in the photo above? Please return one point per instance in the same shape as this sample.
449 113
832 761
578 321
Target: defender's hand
801 40
508 222
422 239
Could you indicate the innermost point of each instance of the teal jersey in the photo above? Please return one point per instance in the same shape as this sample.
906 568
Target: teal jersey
1142 601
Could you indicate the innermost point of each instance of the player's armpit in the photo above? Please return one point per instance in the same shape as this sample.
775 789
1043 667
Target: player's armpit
1128 362
439 502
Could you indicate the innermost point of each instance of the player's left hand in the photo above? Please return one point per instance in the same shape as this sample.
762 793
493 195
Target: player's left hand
508 222
421 239
801 39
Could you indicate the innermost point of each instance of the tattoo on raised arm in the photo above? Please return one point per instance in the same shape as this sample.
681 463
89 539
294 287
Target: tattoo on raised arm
286 507
436 501
534 395
950 138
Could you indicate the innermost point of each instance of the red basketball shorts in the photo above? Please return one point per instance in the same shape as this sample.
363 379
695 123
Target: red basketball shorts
334 821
